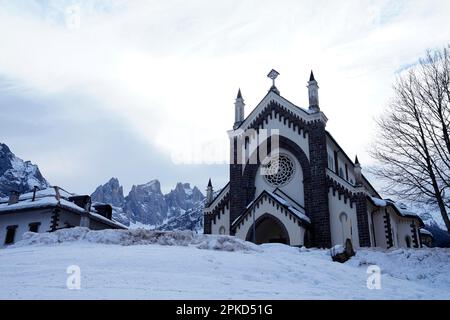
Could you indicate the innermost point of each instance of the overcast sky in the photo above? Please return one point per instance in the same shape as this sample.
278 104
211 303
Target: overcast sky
95 89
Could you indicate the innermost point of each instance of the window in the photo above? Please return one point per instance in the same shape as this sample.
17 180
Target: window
222 230
345 227
341 173
336 162
10 234
34 227
408 241
330 163
280 170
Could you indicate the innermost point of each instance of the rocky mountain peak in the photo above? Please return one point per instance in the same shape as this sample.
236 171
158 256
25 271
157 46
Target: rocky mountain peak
153 186
183 196
146 204
18 175
111 192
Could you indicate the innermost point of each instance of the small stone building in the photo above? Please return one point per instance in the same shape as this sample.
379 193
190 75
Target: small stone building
50 210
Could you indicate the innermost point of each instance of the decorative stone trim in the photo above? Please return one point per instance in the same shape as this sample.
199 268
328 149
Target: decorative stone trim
272 98
341 190
414 235
266 197
362 219
209 218
284 116
387 229
225 190
54 220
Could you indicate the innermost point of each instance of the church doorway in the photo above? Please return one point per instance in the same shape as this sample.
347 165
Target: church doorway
268 229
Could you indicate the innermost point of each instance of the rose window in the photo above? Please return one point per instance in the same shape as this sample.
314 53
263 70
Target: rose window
279 171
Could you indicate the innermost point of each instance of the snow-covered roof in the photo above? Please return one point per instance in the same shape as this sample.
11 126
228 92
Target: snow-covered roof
101 218
283 200
48 192
291 205
425 231
49 198
299 214
400 208
378 202
43 198
28 204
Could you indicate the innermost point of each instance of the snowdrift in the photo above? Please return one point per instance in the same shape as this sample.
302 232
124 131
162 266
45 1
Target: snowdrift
431 265
138 237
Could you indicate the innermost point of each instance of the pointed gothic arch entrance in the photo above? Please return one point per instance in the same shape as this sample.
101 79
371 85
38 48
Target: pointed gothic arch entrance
268 229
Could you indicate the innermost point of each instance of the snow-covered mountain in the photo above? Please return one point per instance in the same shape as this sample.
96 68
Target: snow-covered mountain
146 205
18 175
111 192
191 219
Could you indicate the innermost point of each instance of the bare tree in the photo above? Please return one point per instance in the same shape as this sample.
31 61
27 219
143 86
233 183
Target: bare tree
413 146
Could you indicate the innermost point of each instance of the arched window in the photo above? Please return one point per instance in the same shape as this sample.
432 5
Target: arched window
222 230
408 241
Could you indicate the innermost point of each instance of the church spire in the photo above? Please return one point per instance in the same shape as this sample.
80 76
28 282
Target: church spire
209 193
358 172
239 106
313 93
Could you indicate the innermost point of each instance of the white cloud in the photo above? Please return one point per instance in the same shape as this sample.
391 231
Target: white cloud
167 68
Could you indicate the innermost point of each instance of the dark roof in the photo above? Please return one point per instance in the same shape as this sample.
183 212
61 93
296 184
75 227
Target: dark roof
303 220
254 109
218 195
311 77
350 160
239 95
209 183
356 160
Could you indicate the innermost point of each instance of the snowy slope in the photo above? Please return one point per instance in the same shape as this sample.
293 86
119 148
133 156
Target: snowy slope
188 266
191 219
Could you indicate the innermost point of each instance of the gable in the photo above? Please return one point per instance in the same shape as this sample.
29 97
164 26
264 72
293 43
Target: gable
284 107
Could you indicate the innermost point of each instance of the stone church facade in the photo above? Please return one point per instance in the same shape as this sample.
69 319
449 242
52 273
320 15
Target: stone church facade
291 182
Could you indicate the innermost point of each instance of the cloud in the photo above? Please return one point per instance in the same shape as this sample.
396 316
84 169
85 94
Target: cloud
165 73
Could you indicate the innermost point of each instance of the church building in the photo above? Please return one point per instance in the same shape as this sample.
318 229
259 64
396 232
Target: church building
291 182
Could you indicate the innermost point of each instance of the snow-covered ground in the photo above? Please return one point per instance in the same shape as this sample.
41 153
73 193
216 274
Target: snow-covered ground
143 264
